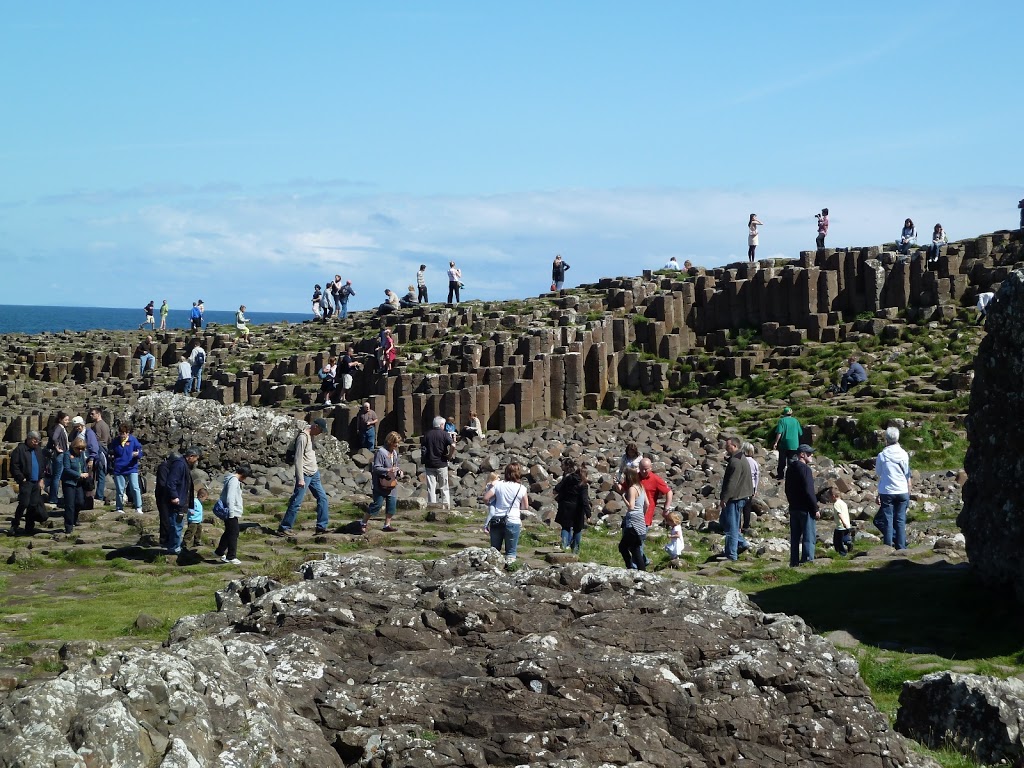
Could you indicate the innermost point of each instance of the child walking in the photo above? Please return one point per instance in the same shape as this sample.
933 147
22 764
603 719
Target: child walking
675 536
842 538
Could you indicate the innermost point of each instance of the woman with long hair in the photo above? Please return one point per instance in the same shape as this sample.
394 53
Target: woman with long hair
573 497
506 498
752 226
634 526
939 239
908 237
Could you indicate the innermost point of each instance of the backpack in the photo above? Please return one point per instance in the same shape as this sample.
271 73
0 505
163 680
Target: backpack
289 455
196 314
200 359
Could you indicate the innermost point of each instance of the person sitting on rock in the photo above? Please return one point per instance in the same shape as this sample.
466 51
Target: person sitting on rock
908 237
855 374
391 302
144 354
474 428
409 300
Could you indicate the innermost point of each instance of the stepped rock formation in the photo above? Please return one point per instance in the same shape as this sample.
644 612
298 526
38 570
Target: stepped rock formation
992 518
456 663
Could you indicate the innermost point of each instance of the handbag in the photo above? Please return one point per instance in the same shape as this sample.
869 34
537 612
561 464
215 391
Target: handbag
220 511
553 287
389 483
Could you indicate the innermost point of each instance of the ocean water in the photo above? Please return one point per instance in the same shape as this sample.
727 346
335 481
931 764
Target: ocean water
20 319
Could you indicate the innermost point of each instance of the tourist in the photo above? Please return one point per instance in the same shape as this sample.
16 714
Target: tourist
144 354
450 428
149 316
822 218
307 476
573 497
390 303
175 496
737 488
164 311
803 507
75 479
327 375
202 312
787 439
892 466
366 427
984 299
634 526
184 383
100 466
317 294
409 300
558 268
421 285
507 499
755 481
125 452
675 537
1021 206
196 316
474 428
335 288
752 226
842 537
95 455
437 448
346 364
492 478
193 538
326 308
231 498
671 264
57 447
656 488
389 351
27 469
908 237
240 324
939 239
197 359
454 282
854 375
344 294
384 475
630 458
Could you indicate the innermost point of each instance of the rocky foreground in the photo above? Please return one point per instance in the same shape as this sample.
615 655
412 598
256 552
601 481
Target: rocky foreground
457 663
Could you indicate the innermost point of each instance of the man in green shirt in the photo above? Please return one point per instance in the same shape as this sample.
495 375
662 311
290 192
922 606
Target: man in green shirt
787 440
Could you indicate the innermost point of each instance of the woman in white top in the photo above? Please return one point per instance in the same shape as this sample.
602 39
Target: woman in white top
752 226
507 498
939 239
454 282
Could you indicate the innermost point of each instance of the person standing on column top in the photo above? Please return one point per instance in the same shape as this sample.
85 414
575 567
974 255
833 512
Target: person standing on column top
454 282
822 227
421 285
752 226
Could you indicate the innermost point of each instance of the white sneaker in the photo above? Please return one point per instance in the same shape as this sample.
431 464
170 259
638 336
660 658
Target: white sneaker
234 561
327 404
138 510
223 558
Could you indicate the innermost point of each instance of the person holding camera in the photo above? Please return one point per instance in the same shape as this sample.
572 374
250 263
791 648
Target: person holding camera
822 227
385 476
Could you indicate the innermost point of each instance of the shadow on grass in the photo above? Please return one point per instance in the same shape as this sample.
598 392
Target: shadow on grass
934 608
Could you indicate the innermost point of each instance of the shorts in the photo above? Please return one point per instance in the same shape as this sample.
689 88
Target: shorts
346 381
241 330
149 318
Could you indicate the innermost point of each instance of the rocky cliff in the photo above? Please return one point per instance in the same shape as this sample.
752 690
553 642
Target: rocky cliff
456 663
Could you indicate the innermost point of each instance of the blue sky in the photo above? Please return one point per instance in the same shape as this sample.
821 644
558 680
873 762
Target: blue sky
243 151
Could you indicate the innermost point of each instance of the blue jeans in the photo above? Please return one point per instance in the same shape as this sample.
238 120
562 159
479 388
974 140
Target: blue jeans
379 502
370 438
343 309
730 521
312 483
101 481
571 539
197 378
56 470
132 480
891 520
146 361
559 284
507 535
802 532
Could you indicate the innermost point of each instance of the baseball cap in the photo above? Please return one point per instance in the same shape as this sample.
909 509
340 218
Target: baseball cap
320 424
78 421
804 448
786 411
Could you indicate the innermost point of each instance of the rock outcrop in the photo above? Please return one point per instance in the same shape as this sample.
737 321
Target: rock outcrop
992 518
456 663
980 716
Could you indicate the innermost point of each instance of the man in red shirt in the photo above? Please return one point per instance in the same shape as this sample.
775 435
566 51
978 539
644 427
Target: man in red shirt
654 486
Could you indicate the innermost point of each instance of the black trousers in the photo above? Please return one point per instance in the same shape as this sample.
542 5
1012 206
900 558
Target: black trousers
28 498
421 295
453 290
74 500
228 546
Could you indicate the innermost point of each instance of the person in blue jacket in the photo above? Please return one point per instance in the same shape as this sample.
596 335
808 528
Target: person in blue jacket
125 452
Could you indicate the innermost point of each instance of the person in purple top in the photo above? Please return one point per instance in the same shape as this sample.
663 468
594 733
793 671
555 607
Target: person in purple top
822 227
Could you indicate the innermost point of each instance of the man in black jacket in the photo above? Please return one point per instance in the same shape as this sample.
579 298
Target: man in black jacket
175 495
803 507
27 469
436 448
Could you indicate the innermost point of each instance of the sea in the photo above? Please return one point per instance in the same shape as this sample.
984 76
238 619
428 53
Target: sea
31 319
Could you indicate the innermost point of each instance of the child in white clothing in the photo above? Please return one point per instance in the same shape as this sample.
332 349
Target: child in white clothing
675 535
842 538
491 480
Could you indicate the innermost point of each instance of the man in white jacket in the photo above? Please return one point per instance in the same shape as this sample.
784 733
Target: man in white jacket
892 466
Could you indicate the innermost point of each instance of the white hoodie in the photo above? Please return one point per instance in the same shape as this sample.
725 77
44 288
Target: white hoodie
893 469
